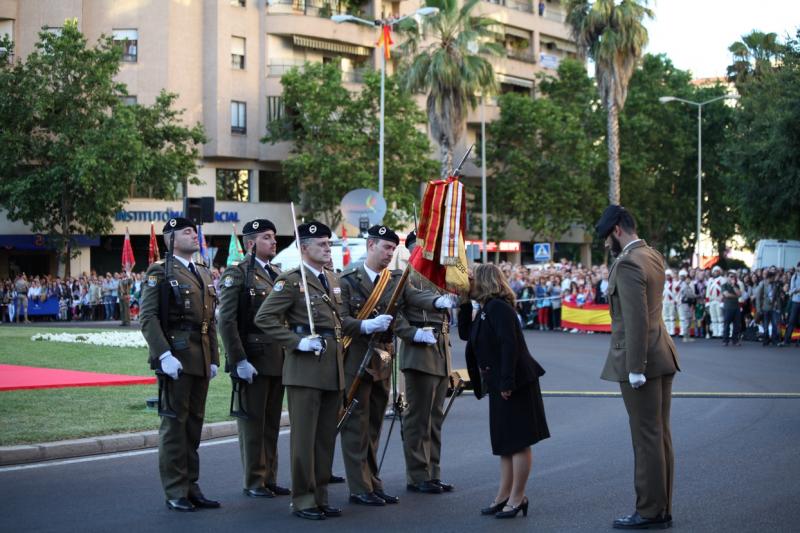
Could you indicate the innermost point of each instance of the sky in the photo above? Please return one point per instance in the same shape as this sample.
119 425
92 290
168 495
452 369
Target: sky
695 34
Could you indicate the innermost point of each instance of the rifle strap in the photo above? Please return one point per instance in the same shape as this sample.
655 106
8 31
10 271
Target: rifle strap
380 287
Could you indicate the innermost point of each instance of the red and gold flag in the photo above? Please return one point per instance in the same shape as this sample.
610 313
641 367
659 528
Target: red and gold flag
386 40
153 254
128 261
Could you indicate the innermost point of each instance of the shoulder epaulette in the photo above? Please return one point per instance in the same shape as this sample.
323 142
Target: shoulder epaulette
348 271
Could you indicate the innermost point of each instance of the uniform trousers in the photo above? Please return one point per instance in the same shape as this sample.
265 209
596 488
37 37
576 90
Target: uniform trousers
179 437
685 315
361 434
715 311
313 413
258 435
668 312
648 415
422 425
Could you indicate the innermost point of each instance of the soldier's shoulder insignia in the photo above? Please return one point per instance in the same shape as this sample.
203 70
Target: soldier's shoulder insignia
152 281
278 287
348 271
227 281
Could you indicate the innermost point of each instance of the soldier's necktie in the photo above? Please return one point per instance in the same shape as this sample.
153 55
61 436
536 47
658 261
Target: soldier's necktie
195 272
324 281
272 273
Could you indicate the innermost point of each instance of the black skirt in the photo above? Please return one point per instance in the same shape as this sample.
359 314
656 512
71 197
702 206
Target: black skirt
518 422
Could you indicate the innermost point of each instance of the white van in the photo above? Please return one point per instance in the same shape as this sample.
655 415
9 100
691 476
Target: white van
776 252
289 257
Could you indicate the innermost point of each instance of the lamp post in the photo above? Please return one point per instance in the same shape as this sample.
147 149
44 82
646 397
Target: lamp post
382 23
699 105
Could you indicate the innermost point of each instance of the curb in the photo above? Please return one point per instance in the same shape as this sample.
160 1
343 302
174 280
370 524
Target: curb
125 442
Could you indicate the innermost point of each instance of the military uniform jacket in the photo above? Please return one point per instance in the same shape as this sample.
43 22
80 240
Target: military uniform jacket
356 289
639 339
191 333
248 341
434 359
286 306
125 290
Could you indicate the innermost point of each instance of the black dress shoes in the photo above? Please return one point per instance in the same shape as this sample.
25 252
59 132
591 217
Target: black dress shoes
201 501
446 487
494 508
330 512
335 479
385 497
312 513
181 504
367 498
278 490
637 521
259 492
425 487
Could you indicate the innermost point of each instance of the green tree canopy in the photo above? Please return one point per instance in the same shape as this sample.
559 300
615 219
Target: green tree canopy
335 136
70 150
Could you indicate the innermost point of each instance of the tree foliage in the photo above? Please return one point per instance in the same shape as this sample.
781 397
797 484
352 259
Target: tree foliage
336 142
70 150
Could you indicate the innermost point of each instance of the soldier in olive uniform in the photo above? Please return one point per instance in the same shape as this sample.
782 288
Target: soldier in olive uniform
125 299
313 367
252 357
21 286
183 345
361 432
425 362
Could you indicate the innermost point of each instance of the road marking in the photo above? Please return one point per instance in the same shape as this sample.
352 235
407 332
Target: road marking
119 455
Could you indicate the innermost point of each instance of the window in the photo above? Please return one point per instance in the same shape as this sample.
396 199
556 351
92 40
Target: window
7 29
237 52
128 99
129 40
55 30
233 184
238 3
275 109
238 117
272 186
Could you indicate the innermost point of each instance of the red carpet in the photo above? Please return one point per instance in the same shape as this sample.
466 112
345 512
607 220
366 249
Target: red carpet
14 377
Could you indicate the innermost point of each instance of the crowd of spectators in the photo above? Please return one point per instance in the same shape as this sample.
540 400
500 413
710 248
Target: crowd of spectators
88 297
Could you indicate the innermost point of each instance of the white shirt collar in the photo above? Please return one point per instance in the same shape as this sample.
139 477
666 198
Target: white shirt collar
184 262
312 269
371 273
630 244
262 263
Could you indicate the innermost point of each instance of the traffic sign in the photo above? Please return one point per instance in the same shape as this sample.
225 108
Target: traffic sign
541 252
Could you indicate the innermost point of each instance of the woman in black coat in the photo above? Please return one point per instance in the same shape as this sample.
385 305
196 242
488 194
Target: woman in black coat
499 364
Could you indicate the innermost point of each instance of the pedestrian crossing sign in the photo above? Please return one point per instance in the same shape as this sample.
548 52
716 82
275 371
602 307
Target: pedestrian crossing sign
541 252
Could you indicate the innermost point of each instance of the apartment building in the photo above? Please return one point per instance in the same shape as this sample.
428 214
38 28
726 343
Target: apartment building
225 58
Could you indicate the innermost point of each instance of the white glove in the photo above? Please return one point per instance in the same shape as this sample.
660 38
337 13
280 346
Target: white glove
379 323
170 365
636 380
424 335
214 369
310 344
446 301
245 370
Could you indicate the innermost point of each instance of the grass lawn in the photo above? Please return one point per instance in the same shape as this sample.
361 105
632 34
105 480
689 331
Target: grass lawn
42 415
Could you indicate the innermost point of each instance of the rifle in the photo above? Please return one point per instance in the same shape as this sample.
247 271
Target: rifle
169 282
457 170
246 296
350 401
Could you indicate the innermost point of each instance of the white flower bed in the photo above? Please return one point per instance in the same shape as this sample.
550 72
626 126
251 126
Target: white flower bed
118 339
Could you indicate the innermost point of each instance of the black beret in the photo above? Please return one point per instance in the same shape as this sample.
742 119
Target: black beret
313 230
411 239
382 232
178 223
258 225
608 220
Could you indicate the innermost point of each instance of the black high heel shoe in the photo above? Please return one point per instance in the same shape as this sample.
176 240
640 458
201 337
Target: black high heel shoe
494 508
514 510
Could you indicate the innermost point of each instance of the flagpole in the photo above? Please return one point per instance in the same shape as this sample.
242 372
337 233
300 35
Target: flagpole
380 155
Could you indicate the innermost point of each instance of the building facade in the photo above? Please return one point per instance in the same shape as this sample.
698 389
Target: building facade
225 59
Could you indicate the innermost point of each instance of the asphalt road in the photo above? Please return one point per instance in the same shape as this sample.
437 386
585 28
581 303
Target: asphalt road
737 461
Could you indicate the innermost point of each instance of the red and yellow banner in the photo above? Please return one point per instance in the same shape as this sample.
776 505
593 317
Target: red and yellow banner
386 40
589 317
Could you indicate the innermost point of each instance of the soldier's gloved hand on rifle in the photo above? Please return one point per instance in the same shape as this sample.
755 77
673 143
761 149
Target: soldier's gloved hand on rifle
246 371
636 380
214 368
170 365
310 344
446 301
378 324
424 335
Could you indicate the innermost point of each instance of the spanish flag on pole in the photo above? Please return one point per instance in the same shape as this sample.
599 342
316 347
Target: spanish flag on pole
386 40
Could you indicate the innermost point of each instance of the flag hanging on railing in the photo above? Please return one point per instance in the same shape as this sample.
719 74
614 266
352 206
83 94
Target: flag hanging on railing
441 255
235 251
345 248
386 40
128 261
153 254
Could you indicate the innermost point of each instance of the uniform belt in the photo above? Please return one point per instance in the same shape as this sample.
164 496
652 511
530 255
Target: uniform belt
443 327
185 326
302 329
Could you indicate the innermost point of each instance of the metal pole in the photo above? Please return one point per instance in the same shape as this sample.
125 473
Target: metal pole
699 180
483 183
380 149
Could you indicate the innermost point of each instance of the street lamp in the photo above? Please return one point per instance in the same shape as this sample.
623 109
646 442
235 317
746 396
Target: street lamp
381 23
699 105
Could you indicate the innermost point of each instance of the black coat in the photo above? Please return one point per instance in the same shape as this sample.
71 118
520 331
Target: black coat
497 356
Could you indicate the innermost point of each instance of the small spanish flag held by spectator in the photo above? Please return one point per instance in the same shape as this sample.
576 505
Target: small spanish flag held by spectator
345 248
153 254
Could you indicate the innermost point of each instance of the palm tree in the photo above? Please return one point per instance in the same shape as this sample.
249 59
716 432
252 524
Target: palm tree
754 55
612 33
444 59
